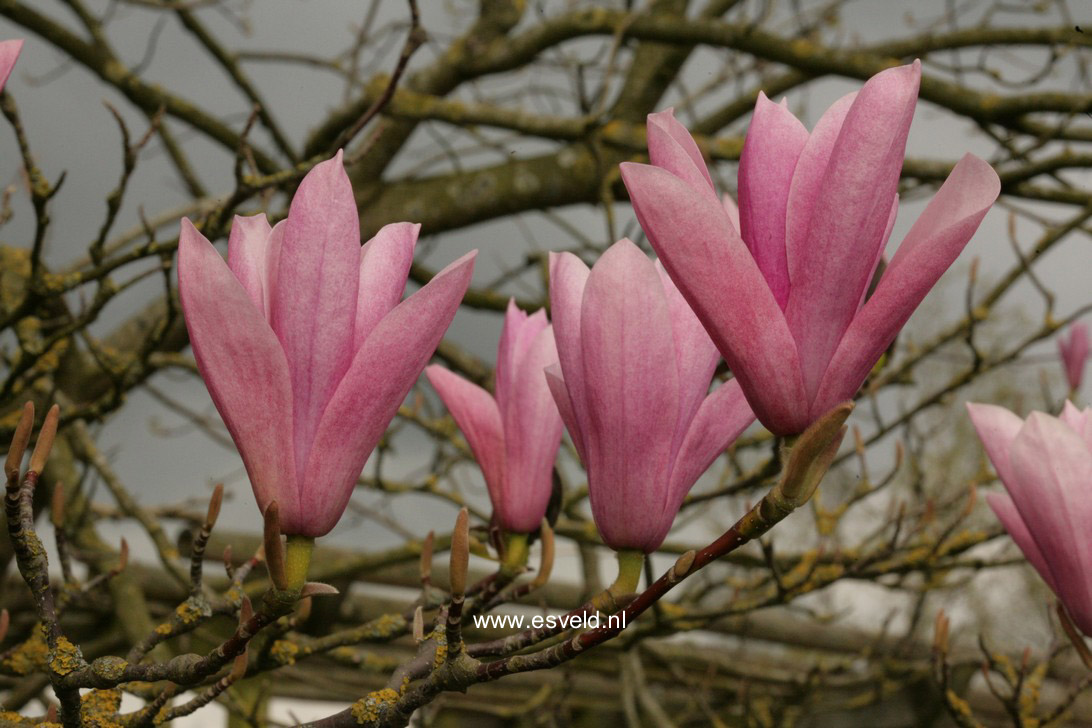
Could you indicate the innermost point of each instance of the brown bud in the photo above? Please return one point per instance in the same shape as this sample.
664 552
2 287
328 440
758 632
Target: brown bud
214 506
426 557
419 624
940 633
274 548
56 509
5 622
123 557
318 589
46 436
238 668
19 443
246 610
460 553
683 565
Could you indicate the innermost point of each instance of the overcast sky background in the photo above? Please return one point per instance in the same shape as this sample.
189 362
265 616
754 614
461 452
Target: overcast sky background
71 131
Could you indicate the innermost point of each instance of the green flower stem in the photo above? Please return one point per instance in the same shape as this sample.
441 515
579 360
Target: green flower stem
630 568
297 558
516 551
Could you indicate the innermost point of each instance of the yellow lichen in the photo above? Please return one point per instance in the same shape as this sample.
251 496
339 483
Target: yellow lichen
190 612
30 656
109 667
284 652
369 708
99 708
66 658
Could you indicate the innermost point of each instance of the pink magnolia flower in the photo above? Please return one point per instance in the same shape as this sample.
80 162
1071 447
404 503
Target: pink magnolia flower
780 285
632 388
515 437
303 343
9 51
1073 350
1045 464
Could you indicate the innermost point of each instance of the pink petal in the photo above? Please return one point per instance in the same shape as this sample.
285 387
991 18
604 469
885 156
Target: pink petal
807 181
831 255
723 417
476 414
555 380
381 374
315 297
1078 421
880 251
732 209
933 243
384 266
519 333
244 369
671 147
695 357
532 430
1006 512
1074 353
568 278
632 391
773 144
996 428
718 277
1052 470
248 253
9 52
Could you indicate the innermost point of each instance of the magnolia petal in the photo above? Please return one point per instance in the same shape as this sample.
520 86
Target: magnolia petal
722 417
477 416
248 255
774 142
848 217
996 428
807 180
715 272
695 356
632 391
1051 470
555 380
532 430
385 262
879 253
671 147
933 243
519 333
732 209
244 368
568 278
1006 512
1074 353
315 297
381 374
9 52
1079 421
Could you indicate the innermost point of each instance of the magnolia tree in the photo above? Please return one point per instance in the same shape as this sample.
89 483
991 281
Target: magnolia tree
709 370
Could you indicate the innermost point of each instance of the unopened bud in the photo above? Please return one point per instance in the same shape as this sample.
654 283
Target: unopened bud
460 553
318 589
56 509
811 456
214 506
274 548
45 440
19 443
